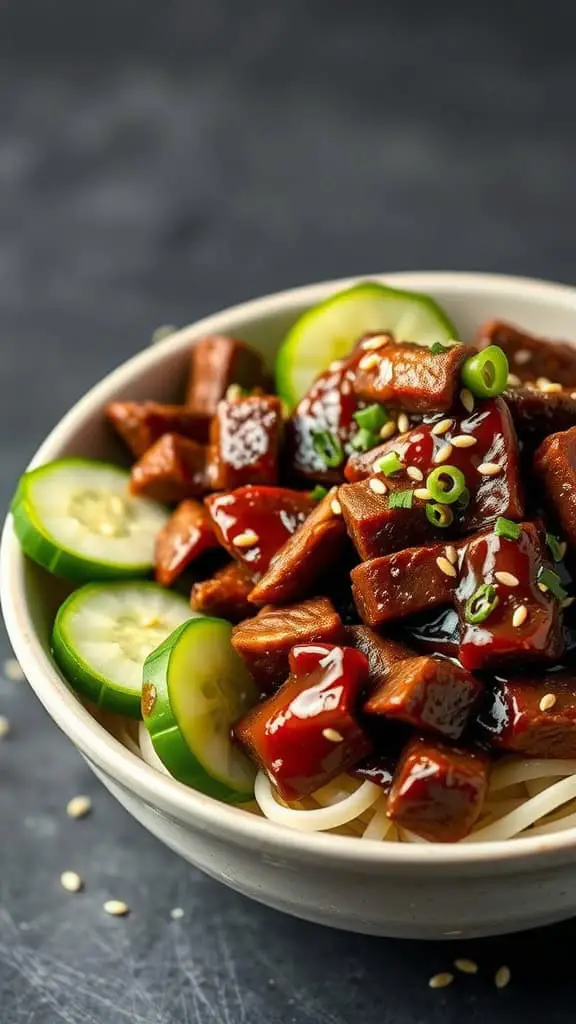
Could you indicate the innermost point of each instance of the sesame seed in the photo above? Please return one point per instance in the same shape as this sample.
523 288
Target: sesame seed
467 399
233 393
388 430
520 616
71 881
562 549
4 727
464 441
79 807
116 908
542 587
443 453
373 344
336 365
513 381
245 540
369 362
522 356
441 980
176 913
336 507
548 387
423 493
507 579
414 473
445 566
489 469
12 670
333 735
442 427
345 387
548 701
377 486
451 554
403 423
466 966
567 602
502 977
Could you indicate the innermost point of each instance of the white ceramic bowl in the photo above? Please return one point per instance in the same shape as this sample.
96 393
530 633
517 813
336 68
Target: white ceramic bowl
413 891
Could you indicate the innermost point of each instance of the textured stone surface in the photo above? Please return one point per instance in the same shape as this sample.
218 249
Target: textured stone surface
160 161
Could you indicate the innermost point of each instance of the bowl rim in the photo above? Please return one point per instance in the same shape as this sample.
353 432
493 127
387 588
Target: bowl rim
161 791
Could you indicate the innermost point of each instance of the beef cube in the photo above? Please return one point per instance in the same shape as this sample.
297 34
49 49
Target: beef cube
498 577
412 377
534 715
215 363
375 768
307 733
555 465
402 584
140 424
537 413
253 523
374 525
187 535
266 640
312 550
382 652
438 631
245 438
438 791
173 469
225 594
531 358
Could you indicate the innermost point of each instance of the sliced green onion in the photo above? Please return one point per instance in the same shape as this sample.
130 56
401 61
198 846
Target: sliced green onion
464 500
446 484
401 499
439 515
506 528
481 604
372 418
363 440
486 373
389 464
328 447
318 493
551 580
438 348
555 546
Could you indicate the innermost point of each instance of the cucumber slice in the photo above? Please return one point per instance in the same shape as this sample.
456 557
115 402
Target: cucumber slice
77 518
103 633
329 330
195 687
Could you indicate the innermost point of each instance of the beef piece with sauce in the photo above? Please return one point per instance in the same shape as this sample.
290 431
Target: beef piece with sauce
438 791
187 535
173 469
216 362
506 615
265 641
225 594
410 581
530 357
412 377
307 733
538 413
533 715
140 424
481 445
245 441
312 550
253 523
555 466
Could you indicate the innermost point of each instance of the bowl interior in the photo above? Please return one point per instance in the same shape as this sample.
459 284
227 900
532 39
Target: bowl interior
30 596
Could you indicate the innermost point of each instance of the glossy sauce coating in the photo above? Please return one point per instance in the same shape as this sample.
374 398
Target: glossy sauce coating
187 535
404 583
413 377
245 440
534 714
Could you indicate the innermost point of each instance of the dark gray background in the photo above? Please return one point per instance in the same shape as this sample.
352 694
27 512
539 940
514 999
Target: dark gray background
159 161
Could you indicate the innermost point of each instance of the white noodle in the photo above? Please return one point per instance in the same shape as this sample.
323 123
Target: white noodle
147 750
379 825
511 772
321 820
527 813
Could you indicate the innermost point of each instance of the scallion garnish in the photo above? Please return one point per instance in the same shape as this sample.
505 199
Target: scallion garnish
372 418
506 528
438 348
318 493
389 464
328 447
446 484
551 580
439 515
401 499
481 604
363 440
555 546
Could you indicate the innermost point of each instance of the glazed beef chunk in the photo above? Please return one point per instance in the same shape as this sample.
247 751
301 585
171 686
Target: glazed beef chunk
245 440
173 469
405 583
529 357
187 535
225 594
438 791
307 733
555 465
537 413
266 640
140 424
216 362
534 715
308 554
412 377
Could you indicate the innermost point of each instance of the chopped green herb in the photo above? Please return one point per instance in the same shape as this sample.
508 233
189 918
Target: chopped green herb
389 464
372 418
439 515
551 580
363 440
328 447
464 500
506 528
437 348
555 546
481 604
318 493
446 484
401 499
